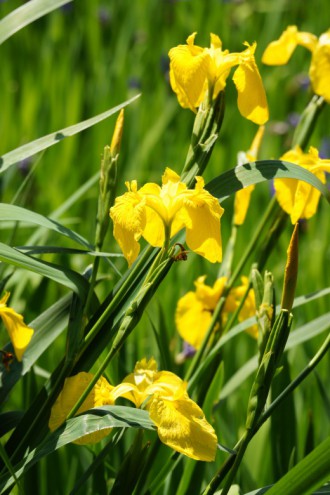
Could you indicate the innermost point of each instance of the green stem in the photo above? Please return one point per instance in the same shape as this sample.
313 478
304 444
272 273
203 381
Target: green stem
294 384
307 121
271 209
122 291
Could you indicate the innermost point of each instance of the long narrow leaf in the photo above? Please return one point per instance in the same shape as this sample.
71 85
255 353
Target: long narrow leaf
308 475
18 214
26 14
45 142
63 276
306 332
95 420
234 179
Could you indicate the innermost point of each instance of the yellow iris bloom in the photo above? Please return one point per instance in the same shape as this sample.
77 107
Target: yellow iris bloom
153 212
298 198
195 309
279 52
180 422
74 387
19 333
196 73
243 196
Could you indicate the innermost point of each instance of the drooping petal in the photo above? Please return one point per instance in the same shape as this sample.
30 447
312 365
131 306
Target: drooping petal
285 190
252 101
243 196
189 67
129 219
73 388
306 202
201 216
298 198
19 333
192 319
319 71
241 205
278 52
181 425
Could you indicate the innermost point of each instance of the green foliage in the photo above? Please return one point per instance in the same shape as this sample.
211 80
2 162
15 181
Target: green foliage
73 70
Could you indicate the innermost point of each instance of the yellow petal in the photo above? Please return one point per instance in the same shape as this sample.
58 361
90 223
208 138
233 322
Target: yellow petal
249 307
192 319
129 219
181 425
189 66
19 333
73 388
279 52
201 215
319 71
252 101
241 205
298 198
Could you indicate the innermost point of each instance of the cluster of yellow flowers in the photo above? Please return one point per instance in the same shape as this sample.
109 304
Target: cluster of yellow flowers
180 422
197 76
194 310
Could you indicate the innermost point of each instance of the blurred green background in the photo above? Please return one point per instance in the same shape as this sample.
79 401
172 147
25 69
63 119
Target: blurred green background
89 56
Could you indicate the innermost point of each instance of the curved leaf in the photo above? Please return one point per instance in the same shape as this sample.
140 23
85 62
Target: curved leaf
63 276
19 214
45 142
94 420
241 176
304 333
9 420
26 14
308 475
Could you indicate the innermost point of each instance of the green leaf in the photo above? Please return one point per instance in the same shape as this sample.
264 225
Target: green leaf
26 14
45 142
63 276
241 176
18 214
9 420
308 475
306 332
94 420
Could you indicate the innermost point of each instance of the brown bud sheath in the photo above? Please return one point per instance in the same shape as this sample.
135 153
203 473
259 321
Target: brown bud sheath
117 134
291 271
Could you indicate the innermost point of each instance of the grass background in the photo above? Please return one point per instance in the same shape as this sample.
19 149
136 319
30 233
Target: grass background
87 57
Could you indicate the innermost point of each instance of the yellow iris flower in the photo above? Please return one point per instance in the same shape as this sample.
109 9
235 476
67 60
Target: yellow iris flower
279 52
74 387
298 198
155 212
242 197
180 422
19 333
195 309
197 72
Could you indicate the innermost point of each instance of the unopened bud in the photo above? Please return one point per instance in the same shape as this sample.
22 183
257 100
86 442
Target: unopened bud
291 272
117 134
